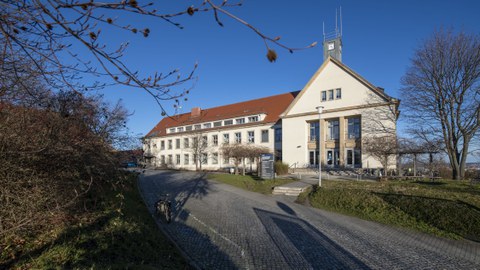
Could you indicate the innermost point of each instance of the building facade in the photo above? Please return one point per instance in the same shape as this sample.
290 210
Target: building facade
353 112
194 140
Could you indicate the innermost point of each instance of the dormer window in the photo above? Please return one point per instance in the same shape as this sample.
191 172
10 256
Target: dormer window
217 124
207 125
188 128
228 122
240 121
172 130
198 126
253 119
180 129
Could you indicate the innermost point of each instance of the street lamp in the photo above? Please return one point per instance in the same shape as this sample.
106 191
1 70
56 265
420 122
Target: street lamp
320 110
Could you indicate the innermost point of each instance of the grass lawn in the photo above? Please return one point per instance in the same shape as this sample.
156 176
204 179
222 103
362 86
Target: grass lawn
119 234
249 182
444 208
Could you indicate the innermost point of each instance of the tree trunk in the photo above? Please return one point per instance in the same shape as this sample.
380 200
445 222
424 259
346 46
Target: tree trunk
243 161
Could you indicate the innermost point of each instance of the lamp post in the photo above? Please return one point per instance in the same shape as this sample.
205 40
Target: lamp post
320 110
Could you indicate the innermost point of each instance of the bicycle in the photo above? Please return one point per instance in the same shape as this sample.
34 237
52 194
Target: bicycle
163 207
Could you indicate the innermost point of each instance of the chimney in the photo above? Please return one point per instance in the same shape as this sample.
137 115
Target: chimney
196 112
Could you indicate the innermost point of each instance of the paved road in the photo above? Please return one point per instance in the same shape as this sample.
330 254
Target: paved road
222 227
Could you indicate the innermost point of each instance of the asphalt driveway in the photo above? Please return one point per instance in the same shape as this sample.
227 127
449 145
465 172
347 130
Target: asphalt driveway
219 226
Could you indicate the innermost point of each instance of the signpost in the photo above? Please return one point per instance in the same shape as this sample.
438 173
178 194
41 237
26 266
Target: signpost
267 169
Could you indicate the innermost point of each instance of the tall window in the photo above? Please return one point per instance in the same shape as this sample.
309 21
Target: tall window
204 141
162 145
238 137
170 144
333 130
324 95
354 128
177 159
251 136
204 158
226 138
169 160
186 159
330 94
314 131
215 158
185 143
162 160
265 135
278 135
338 93
177 143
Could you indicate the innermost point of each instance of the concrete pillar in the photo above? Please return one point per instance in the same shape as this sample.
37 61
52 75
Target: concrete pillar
341 142
322 139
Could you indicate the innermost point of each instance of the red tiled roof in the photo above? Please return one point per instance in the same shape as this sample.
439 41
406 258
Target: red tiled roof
272 106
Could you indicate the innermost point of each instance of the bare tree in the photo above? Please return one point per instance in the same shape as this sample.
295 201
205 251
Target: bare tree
50 34
199 146
240 152
381 148
441 91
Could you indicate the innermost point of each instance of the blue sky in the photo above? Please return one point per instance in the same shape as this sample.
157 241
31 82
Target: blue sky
379 38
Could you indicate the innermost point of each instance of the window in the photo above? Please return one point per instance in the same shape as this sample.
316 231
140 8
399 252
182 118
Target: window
330 94
154 146
251 136
338 93
226 138
207 125
185 143
265 135
253 119
215 158
177 143
204 158
204 141
240 121
169 160
278 135
162 145
162 160
217 124
354 128
238 137
226 160
198 126
188 128
357 157
186 159
180 129
333 130
215 139
324 95
314 131
177 157
195 142
170 144
172 130
228 122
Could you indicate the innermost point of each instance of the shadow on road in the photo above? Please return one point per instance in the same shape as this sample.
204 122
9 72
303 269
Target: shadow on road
303 246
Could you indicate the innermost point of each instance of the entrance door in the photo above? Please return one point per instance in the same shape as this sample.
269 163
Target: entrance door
353 158
313 158
333 157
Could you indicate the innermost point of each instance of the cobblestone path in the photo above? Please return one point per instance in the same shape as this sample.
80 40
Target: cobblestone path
218 226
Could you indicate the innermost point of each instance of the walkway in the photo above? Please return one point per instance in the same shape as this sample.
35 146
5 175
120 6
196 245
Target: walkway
218 226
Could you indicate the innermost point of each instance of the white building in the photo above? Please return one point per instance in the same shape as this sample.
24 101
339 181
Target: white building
257 122
288 124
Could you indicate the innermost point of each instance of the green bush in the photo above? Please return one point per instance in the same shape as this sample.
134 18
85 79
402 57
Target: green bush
281 168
